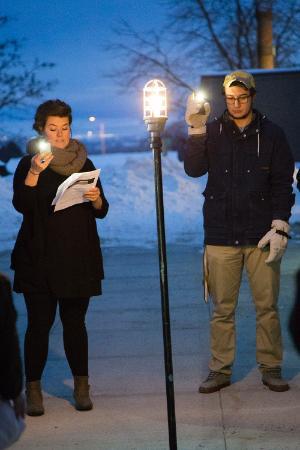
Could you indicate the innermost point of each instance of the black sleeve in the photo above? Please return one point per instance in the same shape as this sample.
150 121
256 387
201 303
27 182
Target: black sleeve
99 213
195 157
24 197
11 375
282 178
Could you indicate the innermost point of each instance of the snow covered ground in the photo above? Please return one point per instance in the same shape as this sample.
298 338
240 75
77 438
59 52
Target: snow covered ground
128 182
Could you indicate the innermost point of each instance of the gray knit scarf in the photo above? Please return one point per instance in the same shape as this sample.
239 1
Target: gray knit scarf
67 160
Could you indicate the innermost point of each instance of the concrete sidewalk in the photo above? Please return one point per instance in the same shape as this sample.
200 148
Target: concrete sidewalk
127 367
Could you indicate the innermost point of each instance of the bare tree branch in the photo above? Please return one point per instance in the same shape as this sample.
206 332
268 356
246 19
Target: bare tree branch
225 54
19 82
202 35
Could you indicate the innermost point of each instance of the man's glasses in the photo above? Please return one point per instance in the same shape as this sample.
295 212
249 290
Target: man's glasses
231 99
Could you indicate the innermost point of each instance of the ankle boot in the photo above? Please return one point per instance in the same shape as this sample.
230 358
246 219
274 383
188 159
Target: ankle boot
81 393
34 399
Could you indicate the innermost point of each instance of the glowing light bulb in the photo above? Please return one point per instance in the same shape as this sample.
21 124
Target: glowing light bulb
43 146
155 100
199 96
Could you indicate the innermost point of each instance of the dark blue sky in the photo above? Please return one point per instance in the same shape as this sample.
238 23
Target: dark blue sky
70 33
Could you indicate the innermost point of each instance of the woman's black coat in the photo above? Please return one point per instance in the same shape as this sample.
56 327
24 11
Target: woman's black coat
55 252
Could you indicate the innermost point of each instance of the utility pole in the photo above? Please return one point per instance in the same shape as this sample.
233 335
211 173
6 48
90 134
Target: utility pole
265 48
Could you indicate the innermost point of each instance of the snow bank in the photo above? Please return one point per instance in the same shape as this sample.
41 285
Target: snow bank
128 182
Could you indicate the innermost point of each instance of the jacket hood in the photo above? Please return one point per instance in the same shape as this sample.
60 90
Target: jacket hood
254 127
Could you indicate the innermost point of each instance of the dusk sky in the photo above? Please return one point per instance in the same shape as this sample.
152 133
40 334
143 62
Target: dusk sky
70 33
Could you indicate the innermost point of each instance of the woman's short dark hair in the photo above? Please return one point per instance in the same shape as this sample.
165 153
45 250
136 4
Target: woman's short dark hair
51 108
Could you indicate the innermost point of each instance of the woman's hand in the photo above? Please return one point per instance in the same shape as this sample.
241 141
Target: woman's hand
94 196
40 162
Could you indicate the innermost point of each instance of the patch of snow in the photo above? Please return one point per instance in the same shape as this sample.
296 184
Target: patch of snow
128 183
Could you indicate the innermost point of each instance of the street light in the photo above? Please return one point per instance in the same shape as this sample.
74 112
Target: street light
102 135
155 117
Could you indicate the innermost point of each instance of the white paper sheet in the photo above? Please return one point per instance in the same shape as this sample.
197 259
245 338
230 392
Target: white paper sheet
71 191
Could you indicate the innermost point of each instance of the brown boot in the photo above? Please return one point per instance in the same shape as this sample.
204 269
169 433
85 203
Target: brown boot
214 382
34 399
272 378
81 393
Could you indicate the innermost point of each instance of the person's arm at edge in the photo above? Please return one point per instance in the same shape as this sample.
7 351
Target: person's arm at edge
282 171
11 379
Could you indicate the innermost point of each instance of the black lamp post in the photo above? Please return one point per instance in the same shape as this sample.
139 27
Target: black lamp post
155 117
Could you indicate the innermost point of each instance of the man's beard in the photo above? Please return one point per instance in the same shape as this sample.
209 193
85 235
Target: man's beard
244 116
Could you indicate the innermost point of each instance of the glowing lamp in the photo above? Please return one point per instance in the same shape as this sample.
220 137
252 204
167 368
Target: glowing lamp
155 105
155 100
199 96
43 146
155 116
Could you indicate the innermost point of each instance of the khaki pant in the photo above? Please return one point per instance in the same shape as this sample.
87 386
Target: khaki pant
225 266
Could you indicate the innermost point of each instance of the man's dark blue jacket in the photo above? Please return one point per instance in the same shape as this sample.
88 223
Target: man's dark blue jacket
250 176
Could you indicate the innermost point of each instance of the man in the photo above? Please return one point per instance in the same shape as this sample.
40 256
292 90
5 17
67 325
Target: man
248 201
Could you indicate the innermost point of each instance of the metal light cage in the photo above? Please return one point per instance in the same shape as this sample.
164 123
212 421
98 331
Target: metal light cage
155 100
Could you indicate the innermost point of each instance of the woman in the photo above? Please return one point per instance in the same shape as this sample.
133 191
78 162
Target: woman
57 257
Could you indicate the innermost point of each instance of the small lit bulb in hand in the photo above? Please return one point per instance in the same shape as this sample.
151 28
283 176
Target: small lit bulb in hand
44 146
199 97
200 100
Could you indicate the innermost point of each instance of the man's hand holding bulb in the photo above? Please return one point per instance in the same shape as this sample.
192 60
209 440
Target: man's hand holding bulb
197 112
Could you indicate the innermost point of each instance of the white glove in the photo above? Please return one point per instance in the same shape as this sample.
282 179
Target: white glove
277 237
195 119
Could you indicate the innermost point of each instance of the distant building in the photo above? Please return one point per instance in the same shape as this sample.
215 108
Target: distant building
278 96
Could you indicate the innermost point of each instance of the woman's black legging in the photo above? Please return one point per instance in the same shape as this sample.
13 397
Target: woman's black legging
41 311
